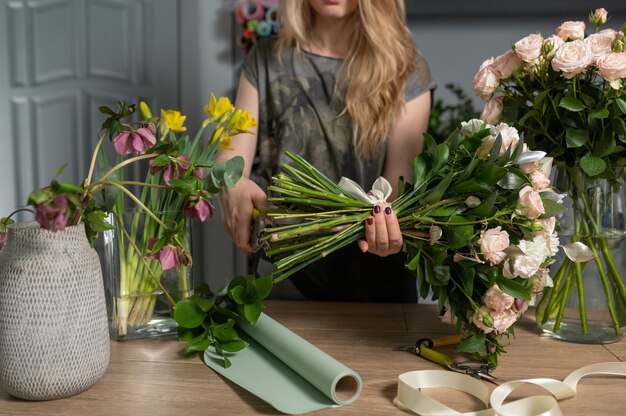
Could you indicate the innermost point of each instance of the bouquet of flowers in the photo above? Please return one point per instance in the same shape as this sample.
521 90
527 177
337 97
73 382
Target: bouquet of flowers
566 93
478 223
182 177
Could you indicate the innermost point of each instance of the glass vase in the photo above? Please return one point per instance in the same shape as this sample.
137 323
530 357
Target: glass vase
587 303
140 295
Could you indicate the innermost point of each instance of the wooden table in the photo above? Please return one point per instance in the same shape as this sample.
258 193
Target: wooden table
149 377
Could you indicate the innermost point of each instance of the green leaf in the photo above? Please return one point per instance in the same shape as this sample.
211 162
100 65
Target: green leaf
199 346
605 147
252 311
599 113
205 304
513 288
592 165
263 286
187 314
97 221
571 104
61 168
161 160
458 235
238 293
420 169
223 333
473 344
443 211
485 207
234 345
552 208
438 190
412 265
440 275
514 179
621 103
576 137
186 186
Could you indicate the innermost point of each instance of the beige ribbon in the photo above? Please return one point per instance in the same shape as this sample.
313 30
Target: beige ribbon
381 189
411 398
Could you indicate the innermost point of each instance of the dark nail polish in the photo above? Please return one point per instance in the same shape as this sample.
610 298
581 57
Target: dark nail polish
388 210
370 220
377 209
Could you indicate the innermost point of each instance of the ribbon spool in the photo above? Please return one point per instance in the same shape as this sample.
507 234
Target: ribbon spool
263 29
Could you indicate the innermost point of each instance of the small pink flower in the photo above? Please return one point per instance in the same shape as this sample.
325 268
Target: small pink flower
530 203
52 215
507 64
3 238
496 300
198 207
492 110
169 257
136 142
173 170
486 79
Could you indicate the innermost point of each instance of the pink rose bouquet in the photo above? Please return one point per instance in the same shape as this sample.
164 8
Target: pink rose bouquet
479 230
566 93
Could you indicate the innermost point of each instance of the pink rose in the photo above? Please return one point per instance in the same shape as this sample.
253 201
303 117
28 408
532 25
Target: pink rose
539 180
529 48
572 58
612 67
496 300
548 224
502 320
493 242
486 79
530 203
492 110
478 319
600 44
571 30
507 63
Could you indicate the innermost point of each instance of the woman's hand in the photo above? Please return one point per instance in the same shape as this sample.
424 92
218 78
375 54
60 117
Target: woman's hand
237 204
382 232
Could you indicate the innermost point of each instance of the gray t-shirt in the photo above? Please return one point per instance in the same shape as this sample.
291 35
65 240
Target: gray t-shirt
301 111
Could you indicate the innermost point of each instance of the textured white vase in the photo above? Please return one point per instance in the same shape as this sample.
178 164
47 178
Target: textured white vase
54 339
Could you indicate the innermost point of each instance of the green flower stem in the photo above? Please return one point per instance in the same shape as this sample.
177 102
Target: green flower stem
567 288
138 202
289 246
581 298
124 163
553 293
605 284
282 185
617 280
94 157
314 227
302 177
308 201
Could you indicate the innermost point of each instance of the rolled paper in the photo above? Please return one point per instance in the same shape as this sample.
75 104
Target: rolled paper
286 371
271 16
251 10
263 28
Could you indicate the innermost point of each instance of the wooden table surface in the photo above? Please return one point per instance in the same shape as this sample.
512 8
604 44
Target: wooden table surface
149 377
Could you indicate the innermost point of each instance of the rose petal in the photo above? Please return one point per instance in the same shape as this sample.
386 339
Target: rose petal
578 252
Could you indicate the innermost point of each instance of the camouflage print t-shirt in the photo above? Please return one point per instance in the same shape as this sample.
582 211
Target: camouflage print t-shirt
301 112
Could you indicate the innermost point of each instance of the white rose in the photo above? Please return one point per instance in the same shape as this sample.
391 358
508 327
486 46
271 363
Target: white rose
486 79
492 110
535 253
473 126
612 67
508 134
600 44
572 58
571 30
492 244
528 49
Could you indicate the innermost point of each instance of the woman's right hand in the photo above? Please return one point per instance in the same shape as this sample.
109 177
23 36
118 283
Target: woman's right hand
237 204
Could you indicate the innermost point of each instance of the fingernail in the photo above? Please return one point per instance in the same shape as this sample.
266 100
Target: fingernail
388 210
377 209
370 220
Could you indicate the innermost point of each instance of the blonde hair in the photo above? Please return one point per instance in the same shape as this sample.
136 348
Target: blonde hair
380 59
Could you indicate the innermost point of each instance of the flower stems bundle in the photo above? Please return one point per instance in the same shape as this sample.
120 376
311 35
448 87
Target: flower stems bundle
478 223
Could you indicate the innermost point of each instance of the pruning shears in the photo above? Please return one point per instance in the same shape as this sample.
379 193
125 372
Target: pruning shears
424 347
256 229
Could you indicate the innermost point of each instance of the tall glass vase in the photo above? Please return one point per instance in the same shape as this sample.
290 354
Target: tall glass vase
140 294
587 303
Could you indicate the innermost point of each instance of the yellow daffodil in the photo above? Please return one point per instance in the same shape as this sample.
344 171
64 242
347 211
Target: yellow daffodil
224 142
245 122
217 108
172 120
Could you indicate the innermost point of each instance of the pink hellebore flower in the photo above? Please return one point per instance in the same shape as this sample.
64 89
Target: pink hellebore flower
198 207
168 256
52 215
174 170
3 238
136 142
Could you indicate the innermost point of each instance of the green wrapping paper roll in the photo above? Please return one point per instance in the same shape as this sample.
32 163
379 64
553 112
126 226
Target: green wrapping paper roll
287 371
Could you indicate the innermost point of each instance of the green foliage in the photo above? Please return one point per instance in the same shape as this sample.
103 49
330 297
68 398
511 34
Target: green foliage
207 319
446 117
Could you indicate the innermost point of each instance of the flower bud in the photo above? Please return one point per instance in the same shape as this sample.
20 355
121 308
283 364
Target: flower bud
617 45
598 17
487 319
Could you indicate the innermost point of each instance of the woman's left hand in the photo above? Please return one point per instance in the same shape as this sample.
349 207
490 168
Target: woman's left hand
382 232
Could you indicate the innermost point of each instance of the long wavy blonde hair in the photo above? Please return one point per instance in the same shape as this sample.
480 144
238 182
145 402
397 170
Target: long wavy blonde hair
380 59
